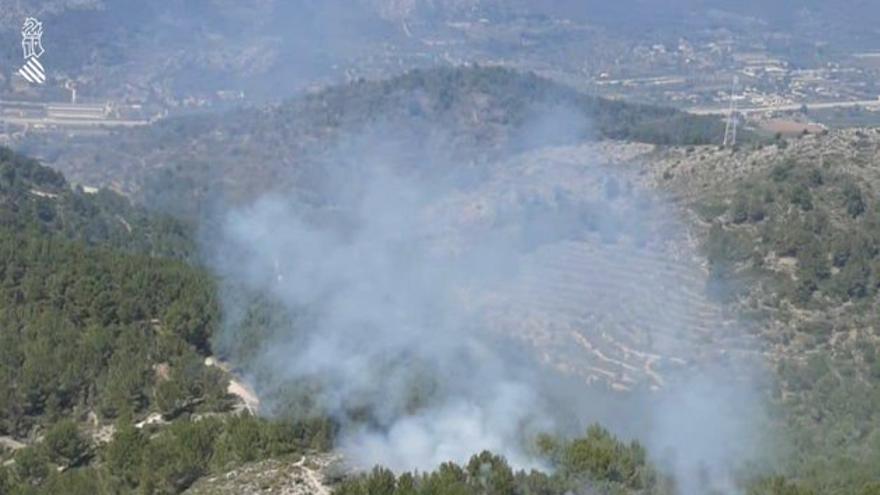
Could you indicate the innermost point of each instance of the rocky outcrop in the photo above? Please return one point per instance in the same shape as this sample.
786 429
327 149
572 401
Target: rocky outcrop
310 475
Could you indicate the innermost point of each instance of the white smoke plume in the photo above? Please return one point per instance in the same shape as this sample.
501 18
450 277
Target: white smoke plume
391 314
427 341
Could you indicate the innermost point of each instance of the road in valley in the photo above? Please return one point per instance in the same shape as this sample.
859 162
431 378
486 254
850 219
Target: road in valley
872 104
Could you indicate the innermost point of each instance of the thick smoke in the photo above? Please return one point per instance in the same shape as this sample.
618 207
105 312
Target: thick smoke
434 321
396 331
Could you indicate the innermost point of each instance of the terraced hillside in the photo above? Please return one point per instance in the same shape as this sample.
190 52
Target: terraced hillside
635 314
610 285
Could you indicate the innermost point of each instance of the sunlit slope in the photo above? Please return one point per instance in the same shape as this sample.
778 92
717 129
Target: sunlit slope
611 286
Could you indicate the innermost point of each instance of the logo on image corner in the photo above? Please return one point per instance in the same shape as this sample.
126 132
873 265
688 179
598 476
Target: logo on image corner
32 46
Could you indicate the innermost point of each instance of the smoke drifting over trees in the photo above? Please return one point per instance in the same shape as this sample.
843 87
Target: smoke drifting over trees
405 282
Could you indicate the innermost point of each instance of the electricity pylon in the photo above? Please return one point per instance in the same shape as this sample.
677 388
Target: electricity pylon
730 128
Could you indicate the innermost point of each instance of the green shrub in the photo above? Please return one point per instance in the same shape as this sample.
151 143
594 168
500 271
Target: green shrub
64 443
124 454
31 465
853 200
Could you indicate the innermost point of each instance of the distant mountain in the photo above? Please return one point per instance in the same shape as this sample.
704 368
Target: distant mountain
160 51
14 12
195 160
167 51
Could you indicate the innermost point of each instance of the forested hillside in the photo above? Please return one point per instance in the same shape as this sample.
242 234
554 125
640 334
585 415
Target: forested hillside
106 316
97 331
37 200
437 260
96 334
91 292
791 233
105 321
95 292
101 320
